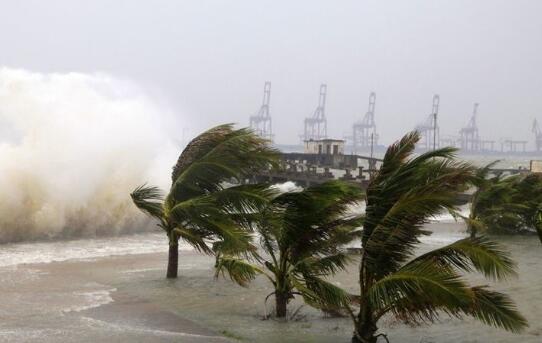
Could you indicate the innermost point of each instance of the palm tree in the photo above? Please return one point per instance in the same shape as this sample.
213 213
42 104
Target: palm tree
403 195
528 194
491 202
301 235
504 204
202 206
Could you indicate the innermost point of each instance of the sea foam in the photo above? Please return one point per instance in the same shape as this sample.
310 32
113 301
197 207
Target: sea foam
72 147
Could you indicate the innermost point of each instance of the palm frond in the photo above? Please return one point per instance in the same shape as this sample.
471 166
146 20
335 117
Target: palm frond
479 253
482 174
318 217
243 199
401 203
396 154
198 147
322 294
239 271
149 199
195 238
423 283
217 156
321 266
495 309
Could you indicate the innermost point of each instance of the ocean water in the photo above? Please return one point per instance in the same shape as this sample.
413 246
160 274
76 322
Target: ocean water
113 289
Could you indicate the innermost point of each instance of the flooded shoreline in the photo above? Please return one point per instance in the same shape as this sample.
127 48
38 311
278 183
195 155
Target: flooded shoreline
126 298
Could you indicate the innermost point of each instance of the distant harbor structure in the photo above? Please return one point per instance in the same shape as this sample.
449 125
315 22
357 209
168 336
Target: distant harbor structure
315 126
324 146
320 161
363 136
261 122
429 130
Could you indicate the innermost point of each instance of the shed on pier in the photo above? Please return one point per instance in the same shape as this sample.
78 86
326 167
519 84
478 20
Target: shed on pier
324 146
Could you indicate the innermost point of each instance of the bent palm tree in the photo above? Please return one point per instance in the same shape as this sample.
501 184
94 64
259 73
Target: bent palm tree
404 194
494 204
301 235
201 208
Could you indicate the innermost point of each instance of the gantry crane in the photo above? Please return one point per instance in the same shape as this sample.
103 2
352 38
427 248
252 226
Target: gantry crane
469 138
429 130
261 122
316 126
364 132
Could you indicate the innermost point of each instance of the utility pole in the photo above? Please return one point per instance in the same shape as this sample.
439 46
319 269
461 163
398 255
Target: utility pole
434 131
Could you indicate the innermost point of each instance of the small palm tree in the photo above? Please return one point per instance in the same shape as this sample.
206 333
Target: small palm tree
528 194
504 205
494 205
301 235
405 193
202 208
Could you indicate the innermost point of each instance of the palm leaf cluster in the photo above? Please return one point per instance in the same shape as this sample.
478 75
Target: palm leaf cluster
504 204
202 207
406 193
301 237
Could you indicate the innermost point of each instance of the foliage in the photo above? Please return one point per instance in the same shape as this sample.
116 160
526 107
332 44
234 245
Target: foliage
504 204
402 197
301 235
202 206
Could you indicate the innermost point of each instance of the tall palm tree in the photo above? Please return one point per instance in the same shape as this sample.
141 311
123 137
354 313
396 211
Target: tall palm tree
301 238
202 208
405 193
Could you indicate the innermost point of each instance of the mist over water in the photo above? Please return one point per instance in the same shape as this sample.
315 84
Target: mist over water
72 147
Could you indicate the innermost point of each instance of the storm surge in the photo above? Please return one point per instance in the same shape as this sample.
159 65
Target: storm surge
72 147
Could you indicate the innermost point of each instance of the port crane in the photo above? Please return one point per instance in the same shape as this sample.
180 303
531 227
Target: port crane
316 125
469 138
364 134
261 121
429 130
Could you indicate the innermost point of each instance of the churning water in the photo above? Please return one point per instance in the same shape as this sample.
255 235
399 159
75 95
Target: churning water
114 290
72 147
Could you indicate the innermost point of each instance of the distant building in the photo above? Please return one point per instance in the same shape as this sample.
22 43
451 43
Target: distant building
536 166
324 146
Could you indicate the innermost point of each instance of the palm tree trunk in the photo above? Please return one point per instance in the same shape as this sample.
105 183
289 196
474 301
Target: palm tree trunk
365 327
281 301
366 334
173 259
472 230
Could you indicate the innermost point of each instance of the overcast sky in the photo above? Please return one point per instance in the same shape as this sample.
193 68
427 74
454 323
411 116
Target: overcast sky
209 59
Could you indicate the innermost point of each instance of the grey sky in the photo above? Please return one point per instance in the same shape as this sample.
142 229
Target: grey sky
209 59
